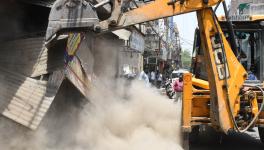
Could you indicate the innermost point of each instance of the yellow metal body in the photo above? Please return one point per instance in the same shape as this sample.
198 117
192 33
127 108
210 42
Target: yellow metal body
254 104
187 103
216 101
195 104
247 18
200 83
153 11
225 88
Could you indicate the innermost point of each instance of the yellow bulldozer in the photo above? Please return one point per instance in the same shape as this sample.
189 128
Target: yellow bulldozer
217 93
224 99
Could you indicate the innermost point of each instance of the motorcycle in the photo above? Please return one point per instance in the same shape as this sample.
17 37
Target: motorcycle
168 88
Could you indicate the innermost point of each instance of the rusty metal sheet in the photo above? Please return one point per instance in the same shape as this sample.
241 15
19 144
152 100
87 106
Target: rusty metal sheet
26 100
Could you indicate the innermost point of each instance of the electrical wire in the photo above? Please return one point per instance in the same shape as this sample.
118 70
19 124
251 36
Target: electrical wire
187 42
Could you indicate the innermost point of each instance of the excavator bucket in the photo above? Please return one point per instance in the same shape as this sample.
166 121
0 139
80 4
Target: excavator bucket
68 15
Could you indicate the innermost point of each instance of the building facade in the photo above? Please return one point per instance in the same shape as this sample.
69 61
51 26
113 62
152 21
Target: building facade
247 7
162 46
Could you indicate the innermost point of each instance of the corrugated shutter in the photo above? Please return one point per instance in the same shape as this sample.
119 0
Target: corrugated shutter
26 100
45 3
28 57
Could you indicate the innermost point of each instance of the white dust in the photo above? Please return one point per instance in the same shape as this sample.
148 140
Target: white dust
145 120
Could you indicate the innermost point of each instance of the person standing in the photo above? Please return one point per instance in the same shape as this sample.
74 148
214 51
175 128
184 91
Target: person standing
152 77
143 76
159 80
178 88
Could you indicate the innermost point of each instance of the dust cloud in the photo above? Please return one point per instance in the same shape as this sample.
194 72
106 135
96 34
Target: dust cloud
145 120
117 116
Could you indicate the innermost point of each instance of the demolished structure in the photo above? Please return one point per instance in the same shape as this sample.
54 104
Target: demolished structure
32 74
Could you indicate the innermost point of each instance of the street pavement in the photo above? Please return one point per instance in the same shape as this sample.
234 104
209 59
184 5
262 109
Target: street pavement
209 140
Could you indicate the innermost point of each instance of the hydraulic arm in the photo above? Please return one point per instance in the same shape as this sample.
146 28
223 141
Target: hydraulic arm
226 75
76 14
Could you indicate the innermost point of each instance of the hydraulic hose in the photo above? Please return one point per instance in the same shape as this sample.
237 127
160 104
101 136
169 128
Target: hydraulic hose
230 110
227 92
256 116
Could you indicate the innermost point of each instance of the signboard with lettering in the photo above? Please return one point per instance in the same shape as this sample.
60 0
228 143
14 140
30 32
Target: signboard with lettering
240 18
137 41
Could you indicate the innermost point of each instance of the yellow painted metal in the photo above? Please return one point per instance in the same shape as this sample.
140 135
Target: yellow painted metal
254 104
222 18
187 102
256 17
221 101
236 108
156 10
200 83
200 107
251 97
224 84
195 91
195 103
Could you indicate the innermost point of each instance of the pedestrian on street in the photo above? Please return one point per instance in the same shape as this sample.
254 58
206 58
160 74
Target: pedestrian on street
159 80
144 77
152 77
178 88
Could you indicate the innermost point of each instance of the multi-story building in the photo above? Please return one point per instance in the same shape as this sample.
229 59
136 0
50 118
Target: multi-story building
162 45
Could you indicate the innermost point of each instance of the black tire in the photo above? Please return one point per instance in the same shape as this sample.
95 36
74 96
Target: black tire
170 97
261 134
193 137
169 93
185 141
